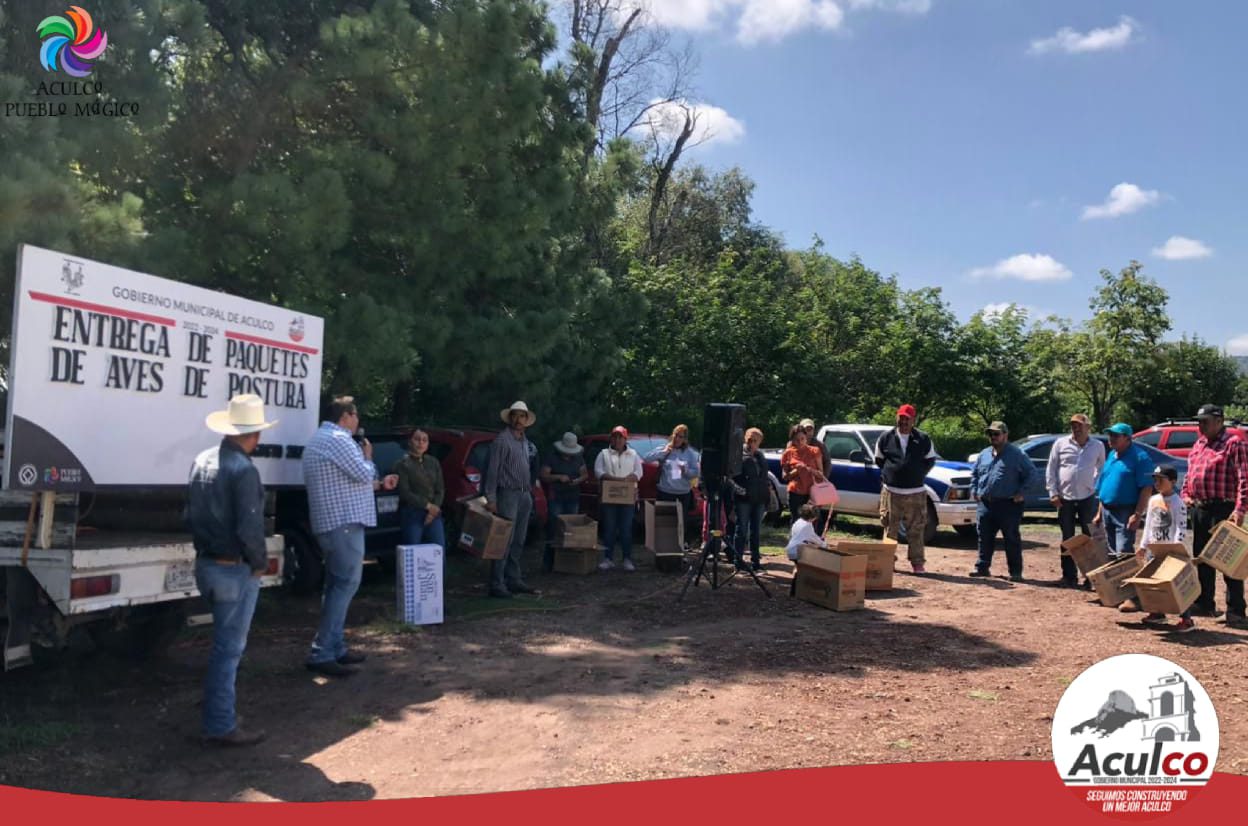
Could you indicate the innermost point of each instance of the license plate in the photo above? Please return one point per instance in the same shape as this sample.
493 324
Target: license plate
387 504
180 576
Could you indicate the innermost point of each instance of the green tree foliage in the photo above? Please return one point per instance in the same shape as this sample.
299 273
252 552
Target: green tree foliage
1182 376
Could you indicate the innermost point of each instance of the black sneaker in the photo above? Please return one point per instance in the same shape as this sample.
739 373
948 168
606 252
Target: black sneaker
521 588
330 669
351 658
1205 611
237 737
1016 577
500 593
977 572
1234 619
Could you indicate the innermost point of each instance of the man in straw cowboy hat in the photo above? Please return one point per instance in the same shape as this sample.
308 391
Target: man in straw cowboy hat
340 479
509 493
563 472
225 510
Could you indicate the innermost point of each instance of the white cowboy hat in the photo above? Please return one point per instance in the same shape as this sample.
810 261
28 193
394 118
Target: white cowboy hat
505 415
244 415
568 445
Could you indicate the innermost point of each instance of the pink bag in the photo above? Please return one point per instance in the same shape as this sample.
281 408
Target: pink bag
823 494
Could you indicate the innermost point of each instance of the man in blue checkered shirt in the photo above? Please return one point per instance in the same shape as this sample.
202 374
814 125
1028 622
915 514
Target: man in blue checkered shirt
340 479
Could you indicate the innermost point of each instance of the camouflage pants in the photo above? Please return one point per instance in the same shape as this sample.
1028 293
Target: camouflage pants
910 508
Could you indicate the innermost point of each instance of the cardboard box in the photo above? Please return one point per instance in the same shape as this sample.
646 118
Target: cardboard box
484 535
880 559
665 527
1110 581
576 531
1087 553
578 561
420 584
619 492
1167 585
834 579
1227 550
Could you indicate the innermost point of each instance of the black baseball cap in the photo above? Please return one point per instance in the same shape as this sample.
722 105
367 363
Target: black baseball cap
1167 471
1209 410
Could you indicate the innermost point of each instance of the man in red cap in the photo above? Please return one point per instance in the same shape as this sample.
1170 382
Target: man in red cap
617 463
905 454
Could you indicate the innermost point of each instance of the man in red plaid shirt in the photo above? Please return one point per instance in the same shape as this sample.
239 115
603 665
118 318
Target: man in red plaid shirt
1214 490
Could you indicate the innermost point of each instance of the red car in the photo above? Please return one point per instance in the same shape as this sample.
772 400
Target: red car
464 453
1177 437
647 488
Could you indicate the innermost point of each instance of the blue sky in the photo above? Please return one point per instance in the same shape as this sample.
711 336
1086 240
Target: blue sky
1003 151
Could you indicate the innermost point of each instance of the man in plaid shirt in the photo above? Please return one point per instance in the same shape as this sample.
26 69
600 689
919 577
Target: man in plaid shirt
1214 490
340 478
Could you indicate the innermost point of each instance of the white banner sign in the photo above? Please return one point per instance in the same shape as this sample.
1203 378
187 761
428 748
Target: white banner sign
113 372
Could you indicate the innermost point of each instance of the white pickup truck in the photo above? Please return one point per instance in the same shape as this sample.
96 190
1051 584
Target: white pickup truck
68 564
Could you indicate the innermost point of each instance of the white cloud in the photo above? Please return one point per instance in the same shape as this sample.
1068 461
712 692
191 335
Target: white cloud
713 124
1097 40
1123 199
760 21
772 20
1178 248
1026 267
1238 346
903 6
686 14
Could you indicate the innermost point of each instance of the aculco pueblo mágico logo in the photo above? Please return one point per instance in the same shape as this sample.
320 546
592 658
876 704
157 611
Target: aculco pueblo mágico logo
71 42
1135 734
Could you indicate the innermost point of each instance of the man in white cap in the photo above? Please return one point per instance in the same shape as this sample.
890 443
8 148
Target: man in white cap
509 479
563 472
340 478
225 510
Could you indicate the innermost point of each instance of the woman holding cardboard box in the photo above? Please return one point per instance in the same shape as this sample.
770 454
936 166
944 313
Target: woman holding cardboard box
618 463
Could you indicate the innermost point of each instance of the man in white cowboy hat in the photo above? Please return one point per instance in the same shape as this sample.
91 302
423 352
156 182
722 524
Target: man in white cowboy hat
563 472
508 492
225 510
340 478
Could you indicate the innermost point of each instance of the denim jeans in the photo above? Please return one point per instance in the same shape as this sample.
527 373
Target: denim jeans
515 505
344 563
414 531
1006 516
749 523
554 509
1121 541
231 590
617 524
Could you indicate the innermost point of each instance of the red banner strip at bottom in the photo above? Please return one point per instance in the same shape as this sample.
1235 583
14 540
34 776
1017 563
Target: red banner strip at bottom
933 793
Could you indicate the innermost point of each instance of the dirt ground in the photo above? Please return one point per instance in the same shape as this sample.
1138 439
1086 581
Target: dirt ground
606 678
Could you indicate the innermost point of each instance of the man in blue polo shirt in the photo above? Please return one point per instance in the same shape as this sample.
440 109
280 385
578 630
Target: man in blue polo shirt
1124 489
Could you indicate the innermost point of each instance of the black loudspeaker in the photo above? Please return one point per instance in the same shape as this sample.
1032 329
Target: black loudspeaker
723 434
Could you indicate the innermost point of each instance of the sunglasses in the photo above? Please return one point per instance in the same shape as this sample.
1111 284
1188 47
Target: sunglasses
991 433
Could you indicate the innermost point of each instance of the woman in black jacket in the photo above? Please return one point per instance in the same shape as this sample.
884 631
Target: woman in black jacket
752 489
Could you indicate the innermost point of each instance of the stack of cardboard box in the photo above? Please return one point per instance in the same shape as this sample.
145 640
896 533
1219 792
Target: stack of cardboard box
576 544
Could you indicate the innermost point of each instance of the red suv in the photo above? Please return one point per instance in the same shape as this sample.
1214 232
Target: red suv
647 488
1177 437
464 453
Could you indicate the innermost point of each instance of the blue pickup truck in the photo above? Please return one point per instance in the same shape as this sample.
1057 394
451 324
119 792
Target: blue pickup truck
851 451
